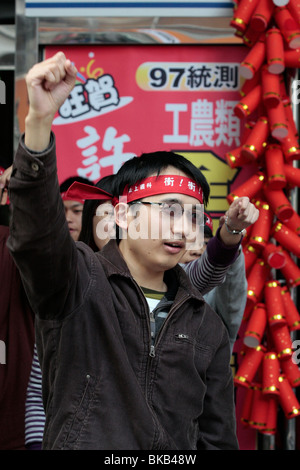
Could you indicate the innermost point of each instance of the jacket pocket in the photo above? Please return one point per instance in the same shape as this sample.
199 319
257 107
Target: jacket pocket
199 350
81 414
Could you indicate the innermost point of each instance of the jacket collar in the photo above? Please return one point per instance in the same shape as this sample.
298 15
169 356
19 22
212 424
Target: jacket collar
116 265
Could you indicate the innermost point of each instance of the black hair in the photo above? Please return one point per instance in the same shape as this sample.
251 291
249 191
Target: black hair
138 168
207 232
89 210
67 182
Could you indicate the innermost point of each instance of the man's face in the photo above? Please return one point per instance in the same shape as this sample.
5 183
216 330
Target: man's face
155 239
73 213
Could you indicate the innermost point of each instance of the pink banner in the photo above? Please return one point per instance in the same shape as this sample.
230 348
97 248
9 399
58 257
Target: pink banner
134 99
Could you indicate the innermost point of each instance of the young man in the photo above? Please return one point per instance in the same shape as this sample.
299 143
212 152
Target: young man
112 378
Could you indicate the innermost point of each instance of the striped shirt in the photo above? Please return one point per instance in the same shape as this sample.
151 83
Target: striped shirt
210 269
34 409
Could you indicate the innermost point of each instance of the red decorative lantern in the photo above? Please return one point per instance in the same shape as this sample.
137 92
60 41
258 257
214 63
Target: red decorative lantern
277 121
256 326
282 341
275 51
294 8
250 255
270 374
274 303
256 281
290 271
249 366
248 103
258 418
279 203
289 115
250 36
292 58
248 85
262 15
274 256
290 146
234 158
292 175
287 398
253 60
289 28
256 140
270 87
291 371
242 14
247 407
274 160
250 188
294 223
288 239
291 313
261 228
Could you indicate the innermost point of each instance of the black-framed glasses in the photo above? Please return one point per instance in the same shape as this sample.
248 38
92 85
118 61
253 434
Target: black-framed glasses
175 210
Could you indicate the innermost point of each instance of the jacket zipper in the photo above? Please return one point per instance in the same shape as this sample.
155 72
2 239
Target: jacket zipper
170 314
164 326
152 347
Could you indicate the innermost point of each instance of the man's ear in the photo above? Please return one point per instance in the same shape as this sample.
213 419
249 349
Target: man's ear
121 215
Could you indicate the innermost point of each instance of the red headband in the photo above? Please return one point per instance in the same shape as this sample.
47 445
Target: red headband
162 184
66 197
81 191
209 222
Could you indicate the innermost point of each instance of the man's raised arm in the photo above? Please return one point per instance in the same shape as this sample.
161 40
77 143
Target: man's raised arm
39 239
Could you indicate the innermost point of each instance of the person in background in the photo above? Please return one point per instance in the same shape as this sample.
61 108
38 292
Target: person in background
129 382
73 208
82 225
93 212
228 299
16 338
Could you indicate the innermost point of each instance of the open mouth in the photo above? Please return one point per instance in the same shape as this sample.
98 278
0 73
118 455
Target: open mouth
174 244
174 247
